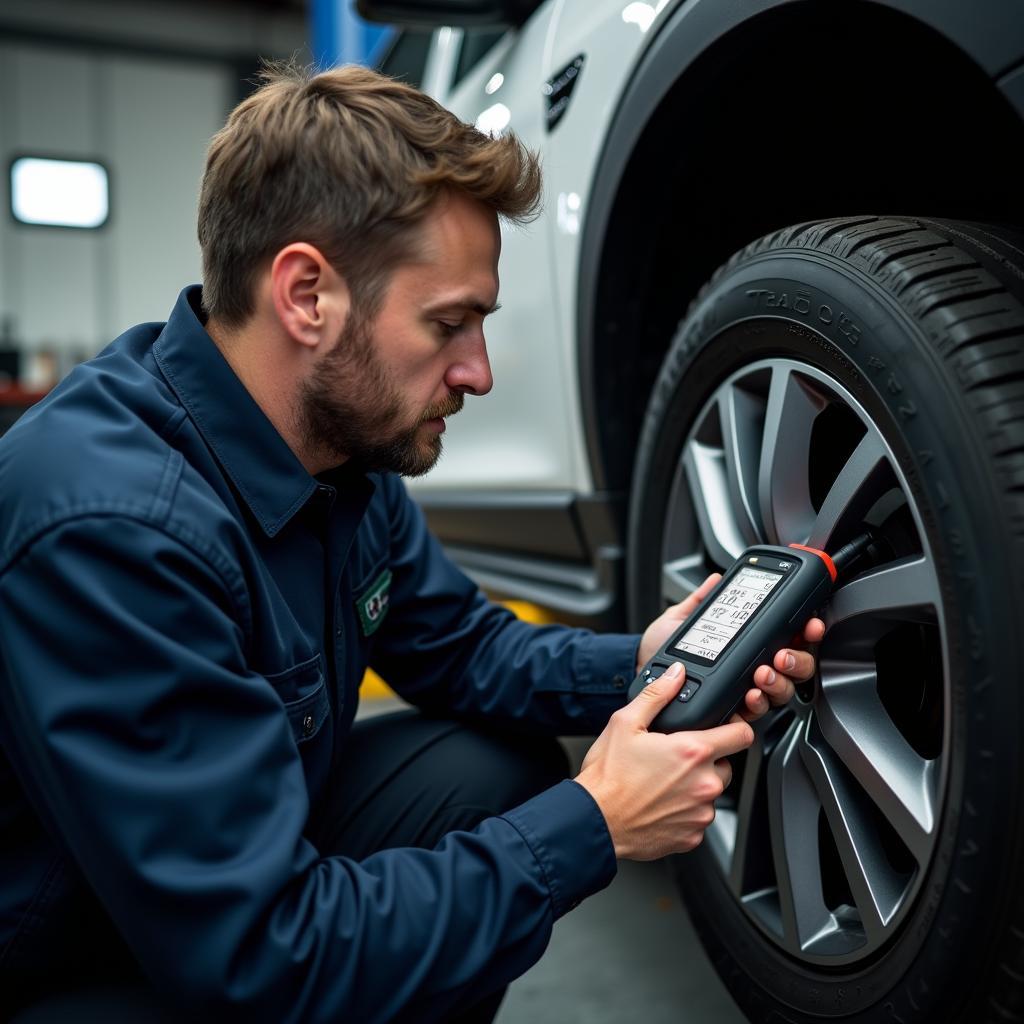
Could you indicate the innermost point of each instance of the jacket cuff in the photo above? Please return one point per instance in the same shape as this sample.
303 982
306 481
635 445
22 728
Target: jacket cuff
566 832
606 667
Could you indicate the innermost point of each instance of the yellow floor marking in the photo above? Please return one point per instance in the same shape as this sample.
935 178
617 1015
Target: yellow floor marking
373 687
530 612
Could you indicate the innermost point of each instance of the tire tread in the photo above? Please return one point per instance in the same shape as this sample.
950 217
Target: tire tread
968 299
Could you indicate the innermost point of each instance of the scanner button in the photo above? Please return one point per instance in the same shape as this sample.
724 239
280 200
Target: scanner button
688 690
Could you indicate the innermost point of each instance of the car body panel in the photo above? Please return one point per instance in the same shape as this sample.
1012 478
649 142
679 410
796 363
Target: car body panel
990 33
529 433
520 436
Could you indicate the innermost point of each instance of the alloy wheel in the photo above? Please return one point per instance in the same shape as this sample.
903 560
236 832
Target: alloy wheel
826 833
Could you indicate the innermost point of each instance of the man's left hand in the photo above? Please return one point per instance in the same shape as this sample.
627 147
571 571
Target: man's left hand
775 684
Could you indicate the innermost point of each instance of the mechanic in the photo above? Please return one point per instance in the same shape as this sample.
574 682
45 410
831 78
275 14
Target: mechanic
205 541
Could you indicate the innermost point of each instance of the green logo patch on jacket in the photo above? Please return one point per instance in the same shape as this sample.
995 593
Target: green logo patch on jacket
373 603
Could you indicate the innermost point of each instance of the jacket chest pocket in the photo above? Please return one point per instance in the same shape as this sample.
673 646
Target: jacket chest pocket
303 688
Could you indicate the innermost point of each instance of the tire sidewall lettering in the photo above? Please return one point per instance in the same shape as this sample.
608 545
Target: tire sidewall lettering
848 331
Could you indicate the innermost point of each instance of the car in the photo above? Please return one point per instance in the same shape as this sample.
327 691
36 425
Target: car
777 295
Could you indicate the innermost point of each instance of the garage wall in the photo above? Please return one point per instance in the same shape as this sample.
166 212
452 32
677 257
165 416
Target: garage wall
149 123
146 108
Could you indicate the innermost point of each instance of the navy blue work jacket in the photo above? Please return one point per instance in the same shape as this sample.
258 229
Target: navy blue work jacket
185 617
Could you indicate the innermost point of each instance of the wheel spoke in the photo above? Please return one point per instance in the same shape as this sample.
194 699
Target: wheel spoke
745 808
742 419
709 489
721 838
906 589
858 729
793 810
744 867
783 484
877 887
854 491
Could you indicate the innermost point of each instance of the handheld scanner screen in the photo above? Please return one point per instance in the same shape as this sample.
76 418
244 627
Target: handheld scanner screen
730 611
764 598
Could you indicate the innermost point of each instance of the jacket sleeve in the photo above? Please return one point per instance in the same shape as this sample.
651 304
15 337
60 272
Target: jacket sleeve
172 778
445 646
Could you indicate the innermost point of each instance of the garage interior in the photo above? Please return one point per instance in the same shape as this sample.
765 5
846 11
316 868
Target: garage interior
141 90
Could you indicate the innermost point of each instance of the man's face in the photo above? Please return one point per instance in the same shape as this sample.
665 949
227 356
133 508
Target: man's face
381 394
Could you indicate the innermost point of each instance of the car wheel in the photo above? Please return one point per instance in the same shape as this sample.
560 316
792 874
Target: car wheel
867 862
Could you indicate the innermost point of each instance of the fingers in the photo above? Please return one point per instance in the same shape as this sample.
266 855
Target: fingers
755 705
797 665
789 666
728 739
724 771
686 606
814 631
778 684
777 687
641 711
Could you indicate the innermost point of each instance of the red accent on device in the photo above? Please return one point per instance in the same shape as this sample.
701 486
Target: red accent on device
829 564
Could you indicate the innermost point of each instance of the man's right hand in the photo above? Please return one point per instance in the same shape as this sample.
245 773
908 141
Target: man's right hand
657 791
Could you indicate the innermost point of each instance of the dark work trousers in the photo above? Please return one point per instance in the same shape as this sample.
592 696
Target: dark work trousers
405 780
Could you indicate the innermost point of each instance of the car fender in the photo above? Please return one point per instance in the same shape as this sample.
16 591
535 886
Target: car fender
989 32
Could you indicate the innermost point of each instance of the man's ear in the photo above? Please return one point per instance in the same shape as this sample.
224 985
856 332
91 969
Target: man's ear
310 297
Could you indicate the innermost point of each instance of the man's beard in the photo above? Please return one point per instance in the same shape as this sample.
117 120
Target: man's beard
348 409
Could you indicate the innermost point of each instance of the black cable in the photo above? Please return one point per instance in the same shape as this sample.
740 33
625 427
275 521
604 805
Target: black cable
849 552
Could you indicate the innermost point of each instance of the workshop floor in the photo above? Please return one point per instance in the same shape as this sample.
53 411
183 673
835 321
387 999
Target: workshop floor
628 952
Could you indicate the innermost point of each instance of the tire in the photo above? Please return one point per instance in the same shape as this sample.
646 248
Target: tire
867 862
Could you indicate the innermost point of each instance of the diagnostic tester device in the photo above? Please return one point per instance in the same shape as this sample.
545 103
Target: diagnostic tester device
762 600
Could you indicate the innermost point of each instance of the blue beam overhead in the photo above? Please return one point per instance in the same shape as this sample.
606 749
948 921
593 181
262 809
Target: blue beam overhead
340 36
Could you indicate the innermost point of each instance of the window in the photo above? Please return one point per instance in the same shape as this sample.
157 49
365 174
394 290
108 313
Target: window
475 44
407 56
59 193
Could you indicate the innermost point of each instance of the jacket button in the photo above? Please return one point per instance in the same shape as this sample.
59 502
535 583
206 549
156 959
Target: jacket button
618 682
308 725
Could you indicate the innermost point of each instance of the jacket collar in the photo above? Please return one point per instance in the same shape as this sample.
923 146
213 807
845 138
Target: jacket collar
266 472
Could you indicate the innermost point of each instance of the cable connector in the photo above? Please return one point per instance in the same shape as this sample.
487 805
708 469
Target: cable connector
849 552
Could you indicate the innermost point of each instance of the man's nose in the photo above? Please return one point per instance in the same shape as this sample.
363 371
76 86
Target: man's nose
471 371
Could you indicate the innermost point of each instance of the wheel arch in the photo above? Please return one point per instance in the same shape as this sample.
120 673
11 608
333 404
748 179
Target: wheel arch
745 119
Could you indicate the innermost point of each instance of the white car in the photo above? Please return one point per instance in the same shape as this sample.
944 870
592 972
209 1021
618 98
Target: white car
777 294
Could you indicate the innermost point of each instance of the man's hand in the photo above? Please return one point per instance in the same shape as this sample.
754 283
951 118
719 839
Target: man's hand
657 792
671 619
775 683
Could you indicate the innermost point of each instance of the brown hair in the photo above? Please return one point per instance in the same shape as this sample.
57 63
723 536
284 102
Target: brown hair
349 161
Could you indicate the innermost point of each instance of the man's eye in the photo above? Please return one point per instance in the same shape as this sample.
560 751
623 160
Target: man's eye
448 329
